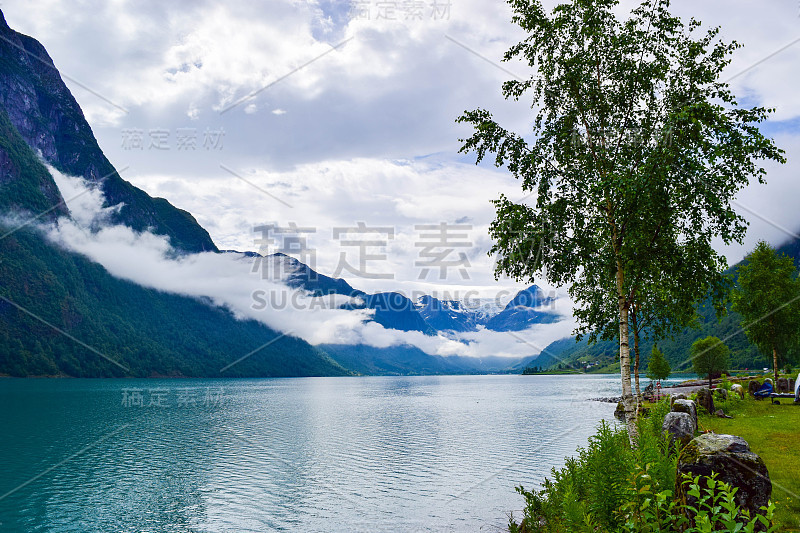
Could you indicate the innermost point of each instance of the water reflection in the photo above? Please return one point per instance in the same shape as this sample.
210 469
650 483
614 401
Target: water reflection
317 454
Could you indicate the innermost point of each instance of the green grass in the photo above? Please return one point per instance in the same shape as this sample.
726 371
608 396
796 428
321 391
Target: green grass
773 432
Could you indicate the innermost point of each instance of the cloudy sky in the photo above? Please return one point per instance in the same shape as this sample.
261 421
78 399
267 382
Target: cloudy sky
332 114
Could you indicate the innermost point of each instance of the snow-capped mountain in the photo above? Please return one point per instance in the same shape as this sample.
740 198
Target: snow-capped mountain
530 306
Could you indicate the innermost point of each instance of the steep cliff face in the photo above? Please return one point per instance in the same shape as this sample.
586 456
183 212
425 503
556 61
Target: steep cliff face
25 184
41 108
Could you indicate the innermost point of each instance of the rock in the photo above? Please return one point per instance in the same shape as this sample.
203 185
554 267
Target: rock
721 393
792 384
753 386
730 457
686 406
677 396
680 427
783 385
720 413
705 399
608 399
738 389
619 412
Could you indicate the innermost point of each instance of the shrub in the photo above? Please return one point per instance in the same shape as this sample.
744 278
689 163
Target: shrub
611 487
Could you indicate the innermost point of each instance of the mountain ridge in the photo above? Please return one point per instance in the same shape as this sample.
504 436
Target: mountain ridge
42 124
44 112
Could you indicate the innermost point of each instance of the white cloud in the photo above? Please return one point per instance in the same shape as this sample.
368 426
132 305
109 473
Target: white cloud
231 281
400 195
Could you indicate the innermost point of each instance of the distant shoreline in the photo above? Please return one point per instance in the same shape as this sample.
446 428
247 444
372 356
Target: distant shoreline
2 376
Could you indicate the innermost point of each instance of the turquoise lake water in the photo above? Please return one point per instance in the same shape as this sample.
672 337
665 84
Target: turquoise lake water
364 454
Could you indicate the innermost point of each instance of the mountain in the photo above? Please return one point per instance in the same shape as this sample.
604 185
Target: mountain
392 309
45 114
25 184
62 314
448 315
428 315
408 360
529 307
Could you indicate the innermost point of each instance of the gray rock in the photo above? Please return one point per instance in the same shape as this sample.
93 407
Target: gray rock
738 389
677 396
730 457
705 399
753 386
783 385
722 394
619 412
686 406
681 428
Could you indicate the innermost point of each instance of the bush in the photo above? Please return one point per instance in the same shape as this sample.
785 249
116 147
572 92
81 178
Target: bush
715 509
611 487
592 488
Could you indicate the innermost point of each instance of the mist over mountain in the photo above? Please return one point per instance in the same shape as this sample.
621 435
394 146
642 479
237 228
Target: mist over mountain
114 282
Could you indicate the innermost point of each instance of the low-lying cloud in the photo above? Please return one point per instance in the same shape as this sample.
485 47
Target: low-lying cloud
236 282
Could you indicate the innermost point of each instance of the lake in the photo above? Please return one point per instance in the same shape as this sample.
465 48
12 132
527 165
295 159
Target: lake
371 454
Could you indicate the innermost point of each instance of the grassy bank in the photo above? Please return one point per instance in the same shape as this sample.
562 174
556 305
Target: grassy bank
773 432
608 486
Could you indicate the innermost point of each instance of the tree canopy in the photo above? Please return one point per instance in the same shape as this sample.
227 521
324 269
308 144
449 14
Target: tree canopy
710 357
768 298
658 368
635 152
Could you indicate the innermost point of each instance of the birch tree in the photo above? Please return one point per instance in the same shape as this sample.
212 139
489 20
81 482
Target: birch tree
634 151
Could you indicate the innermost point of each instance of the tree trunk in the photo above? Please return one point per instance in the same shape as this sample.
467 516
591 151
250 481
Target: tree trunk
775 364
635 323
631 414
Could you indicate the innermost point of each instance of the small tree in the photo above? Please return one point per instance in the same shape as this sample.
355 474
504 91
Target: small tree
768 298
710 356
658 368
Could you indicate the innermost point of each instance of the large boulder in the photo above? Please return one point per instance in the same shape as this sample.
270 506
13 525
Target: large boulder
686 406
783 385
680 427
705 399
792 384
753 386
721 394
738 390
730 458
